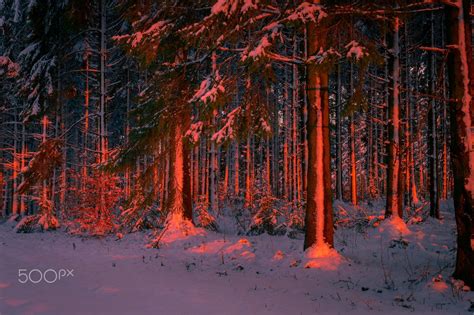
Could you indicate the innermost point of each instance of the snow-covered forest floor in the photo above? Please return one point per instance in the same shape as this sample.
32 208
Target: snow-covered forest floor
380 269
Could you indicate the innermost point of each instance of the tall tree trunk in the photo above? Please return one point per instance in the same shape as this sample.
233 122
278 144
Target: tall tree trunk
102 100
353 161
44 187
432 143
338 135
461 84
84 173
393 162
286 136
22 166
318 220
352 144
294 128
15 167
180 195
127 129
196 173
2 195
248 173
236 169
213 158
408 144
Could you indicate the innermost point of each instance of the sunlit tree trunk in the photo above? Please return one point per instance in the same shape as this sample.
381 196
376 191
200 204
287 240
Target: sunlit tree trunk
180 199
353 160
22 166
352 144
294 128
44 187
318 220
14 203
248 173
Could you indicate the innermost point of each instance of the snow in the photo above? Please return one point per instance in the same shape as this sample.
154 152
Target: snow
307 12
156 30
259 51
8 67
231 7
194 132
221 273
354 49
227 131
323 56
265 126
321 256
209 89
394 226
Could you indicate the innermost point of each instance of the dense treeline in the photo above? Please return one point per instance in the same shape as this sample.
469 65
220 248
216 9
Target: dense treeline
127 115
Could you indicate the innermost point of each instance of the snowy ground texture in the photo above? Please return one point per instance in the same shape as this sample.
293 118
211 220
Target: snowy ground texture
389 268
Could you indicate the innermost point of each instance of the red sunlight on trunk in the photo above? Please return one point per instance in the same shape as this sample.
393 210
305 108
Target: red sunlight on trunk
236 157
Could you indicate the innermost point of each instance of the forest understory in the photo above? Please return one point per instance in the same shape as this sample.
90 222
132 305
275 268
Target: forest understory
380 267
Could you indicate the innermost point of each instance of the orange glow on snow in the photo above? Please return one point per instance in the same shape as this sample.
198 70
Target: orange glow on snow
394 226
439 286
242 248
321 256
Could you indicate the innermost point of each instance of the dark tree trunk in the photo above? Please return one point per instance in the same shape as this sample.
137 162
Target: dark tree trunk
461 84
393 162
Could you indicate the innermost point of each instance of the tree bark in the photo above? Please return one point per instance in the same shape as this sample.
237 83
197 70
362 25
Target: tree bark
318 220
461 85
393 162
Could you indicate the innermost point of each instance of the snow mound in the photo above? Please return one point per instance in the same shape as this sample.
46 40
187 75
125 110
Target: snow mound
438 284
241 249
37 222
321 256
279 255
176 229
394 227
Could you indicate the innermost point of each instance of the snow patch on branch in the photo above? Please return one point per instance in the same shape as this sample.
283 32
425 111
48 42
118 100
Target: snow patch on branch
194 132
307 12
323 56
209 90
227 131
8 67
156 30
231 7
356 50
259 51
